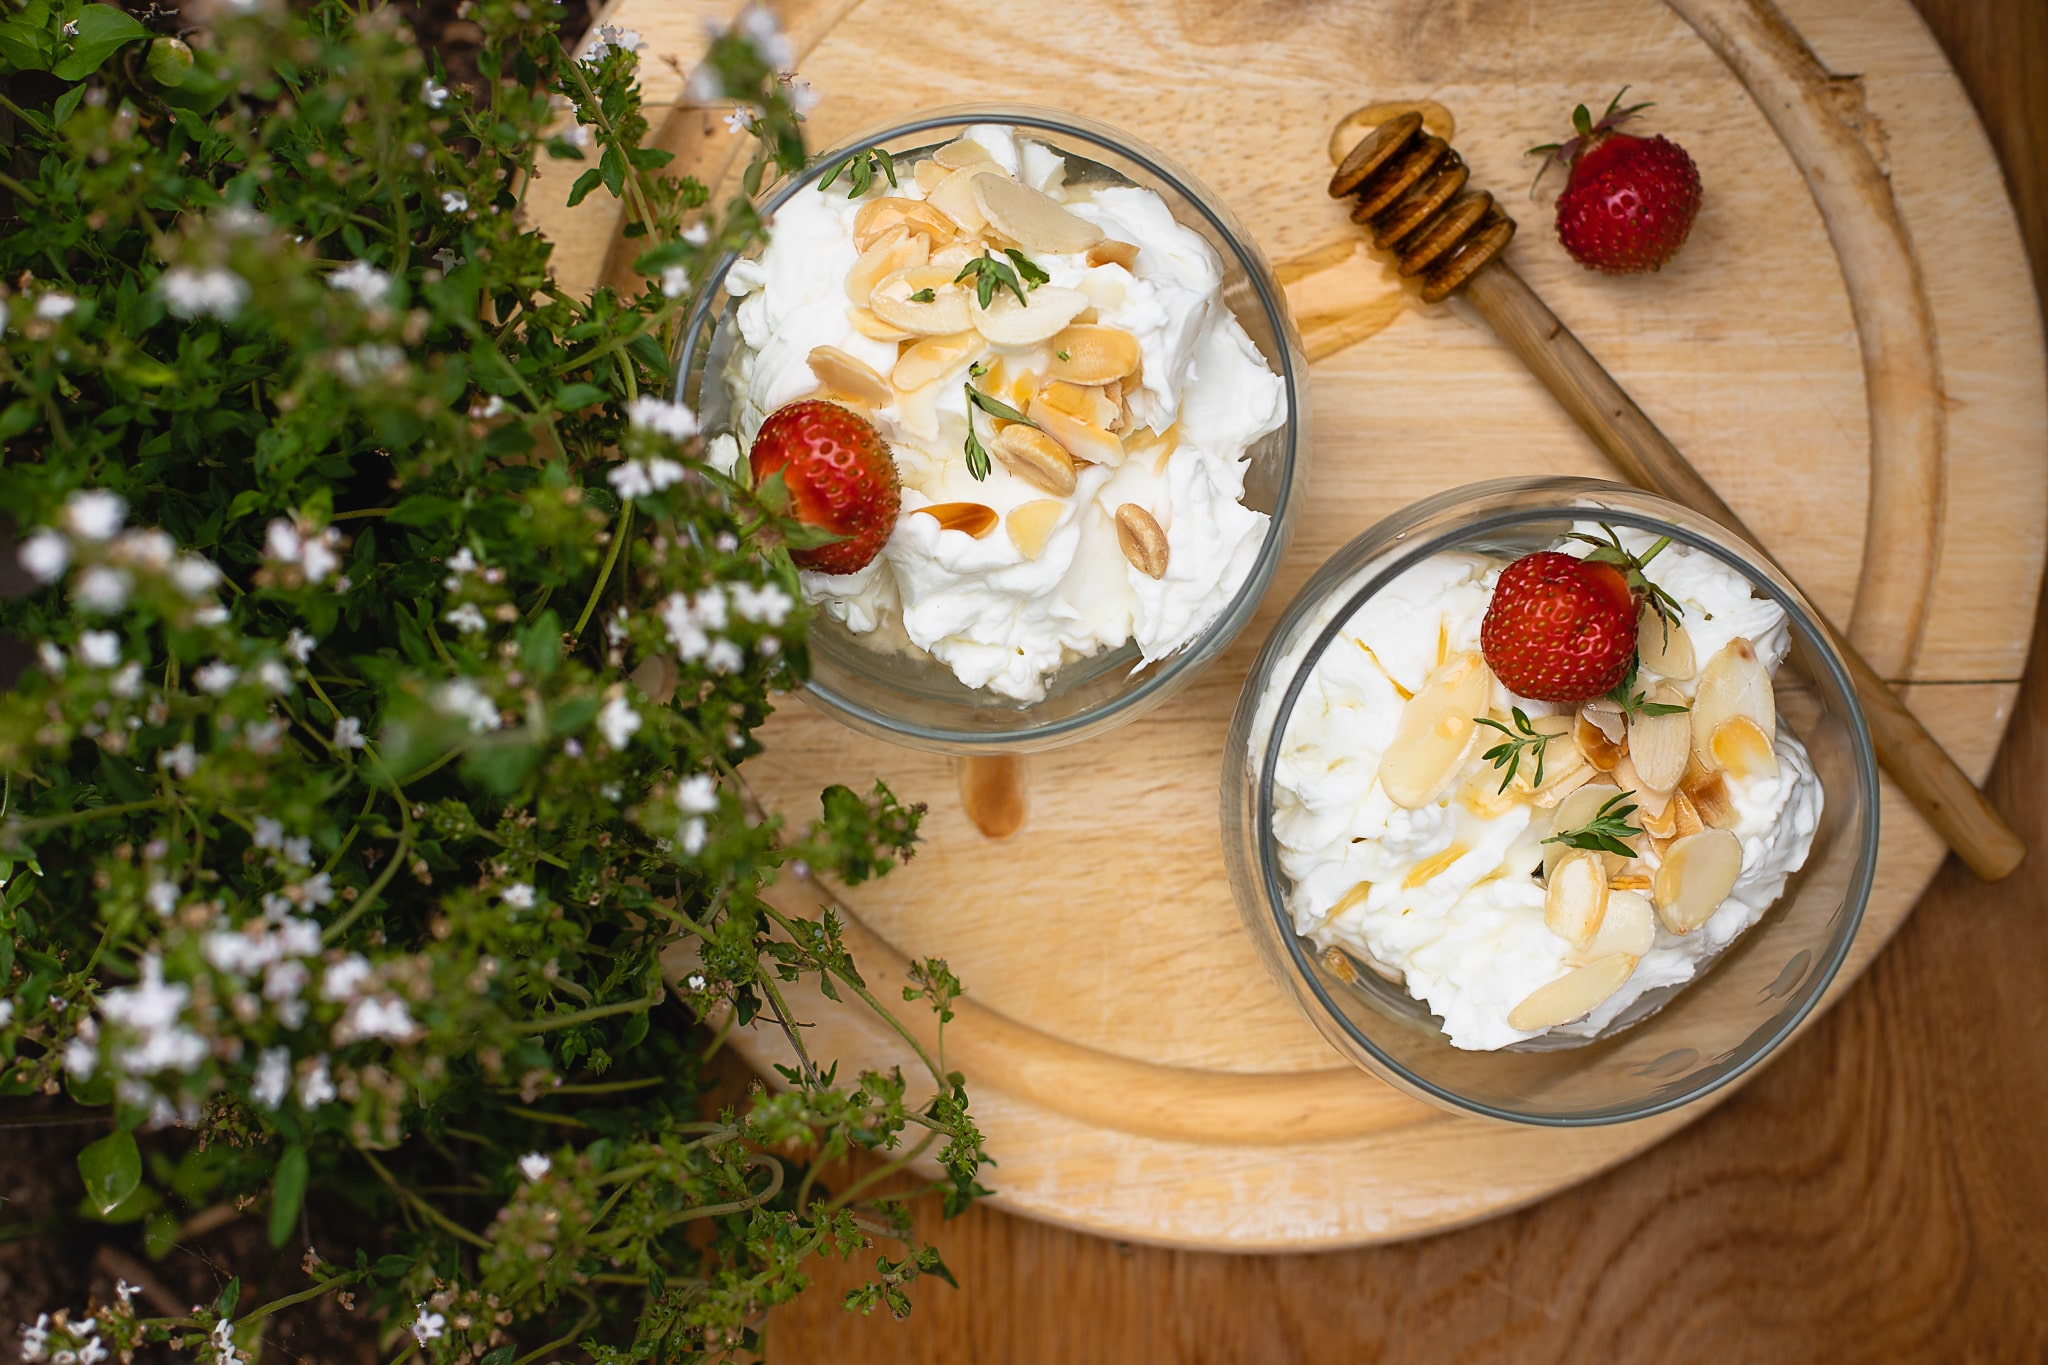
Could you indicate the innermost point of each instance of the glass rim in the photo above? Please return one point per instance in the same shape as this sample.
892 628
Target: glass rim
1806 627
1251 261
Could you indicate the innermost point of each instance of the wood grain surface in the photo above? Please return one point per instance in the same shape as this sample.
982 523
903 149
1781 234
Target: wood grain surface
1878 1194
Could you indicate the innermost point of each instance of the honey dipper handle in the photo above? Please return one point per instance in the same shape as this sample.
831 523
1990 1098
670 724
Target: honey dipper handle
1930 779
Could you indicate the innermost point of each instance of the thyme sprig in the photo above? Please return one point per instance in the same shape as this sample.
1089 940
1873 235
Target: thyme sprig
977 456
990 274
1523 741
1632 566
1634 703
859 170
1607 832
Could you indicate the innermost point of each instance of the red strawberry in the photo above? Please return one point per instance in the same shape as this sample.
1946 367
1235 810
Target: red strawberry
1628 201
841 478
1560 629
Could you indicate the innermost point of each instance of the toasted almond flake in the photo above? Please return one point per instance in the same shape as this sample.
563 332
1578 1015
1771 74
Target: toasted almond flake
877 217
971 517
1592 741
1741 749
1659 746
1031 524
1733 683
1037 459
896 250
1630 924
1436 732
1628 881
1084 440
961 152
1661 823
1045 313
1078 400
930 174
1698 872
1036 221
1556 787
1576 897
931 359
1112 252
873 328
1090 353
955 197
1665 647
1685 818
944 315
1572 810
1574 995
1433 866
1143 543
850 375
1707 793
1338 964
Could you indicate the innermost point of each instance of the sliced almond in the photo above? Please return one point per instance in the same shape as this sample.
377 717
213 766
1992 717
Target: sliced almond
1659 746
1112 252
1733 683
1045 313
896 250
971 517
1557 786
873 328
1629 926
1155 446
1627 881
1079 400
962 152
1685 818
1436 732
1143 543
1561 762
931 359
1576 898
1039 460
1698 872
1661 823
1664 647
877 217
1084 440
1707 794
1031 524
1574 995
1093 354
1608 717
1592 741
955 197
850 375
1741 749
1034 220
1575 809
931 173
944 314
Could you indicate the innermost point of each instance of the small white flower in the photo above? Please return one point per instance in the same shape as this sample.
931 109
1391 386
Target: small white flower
375 1016
81 1058
664 473
723 455
45 555
101 589
94 513
758 26
273 1077
6 1013
466 618
127 681
433 94
52 306
691 836
740 118
454 201
318 889
71 28
724 657
696 981
766 605
216 293
300 645
194 576
630 480
673 420
316 1087
610 38
126 1292
216 677
298 850
519 895
99 648
618 721
675 282
51 658
696 234
367 363
212 614
427 1327
268 834
162 897
274 676
463 561
697 794
705 86
447 258
803 96
179 761
534 1165
348 733
370 285
461 697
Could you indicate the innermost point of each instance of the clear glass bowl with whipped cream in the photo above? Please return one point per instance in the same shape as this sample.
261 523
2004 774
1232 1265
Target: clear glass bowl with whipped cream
1563 914
1041 585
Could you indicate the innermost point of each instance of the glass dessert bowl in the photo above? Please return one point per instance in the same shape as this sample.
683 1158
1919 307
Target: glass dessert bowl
1568 912
1020 302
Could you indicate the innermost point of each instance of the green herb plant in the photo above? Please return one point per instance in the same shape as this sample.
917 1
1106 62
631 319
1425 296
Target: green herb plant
372 827
1607 832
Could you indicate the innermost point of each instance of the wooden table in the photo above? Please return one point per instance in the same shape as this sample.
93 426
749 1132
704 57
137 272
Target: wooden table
1880 1192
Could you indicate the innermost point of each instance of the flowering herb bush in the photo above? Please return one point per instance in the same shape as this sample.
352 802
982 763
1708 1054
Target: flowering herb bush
396 647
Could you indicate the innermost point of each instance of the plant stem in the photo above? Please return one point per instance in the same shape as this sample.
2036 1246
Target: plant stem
370 894
604 574
555 1021
432 1214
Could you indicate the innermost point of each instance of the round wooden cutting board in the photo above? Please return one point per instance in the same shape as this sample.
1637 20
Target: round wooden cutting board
1136 1072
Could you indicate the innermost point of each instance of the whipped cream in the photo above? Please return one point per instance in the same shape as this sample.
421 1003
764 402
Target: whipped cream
1000 619
1469 939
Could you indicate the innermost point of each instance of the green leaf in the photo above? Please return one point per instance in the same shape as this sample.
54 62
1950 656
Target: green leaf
159 1234
18 417
611 168
573 396
102 30
230 1295
773 494
996 407
111 1168
423 509
585 183
66 104
1026 267
287 1193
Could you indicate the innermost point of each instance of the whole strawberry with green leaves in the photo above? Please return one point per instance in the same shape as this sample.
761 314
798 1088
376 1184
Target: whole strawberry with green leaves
1628 202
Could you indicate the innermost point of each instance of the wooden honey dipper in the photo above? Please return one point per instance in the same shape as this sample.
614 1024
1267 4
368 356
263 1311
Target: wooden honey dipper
1411 193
